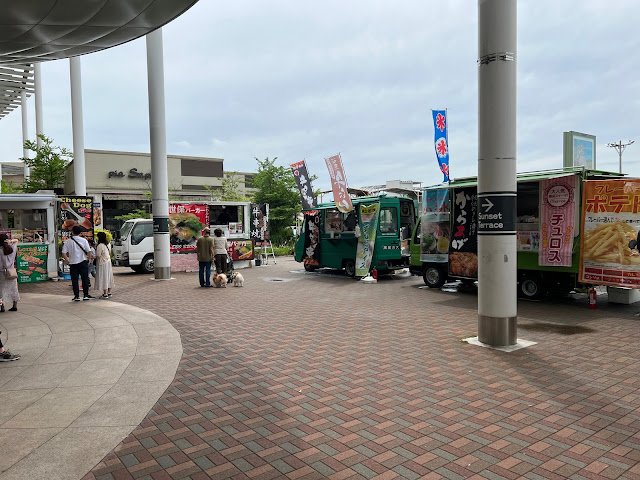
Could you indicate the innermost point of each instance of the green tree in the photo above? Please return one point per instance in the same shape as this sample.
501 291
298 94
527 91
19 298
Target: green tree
276 186
230 191
48 167
9 187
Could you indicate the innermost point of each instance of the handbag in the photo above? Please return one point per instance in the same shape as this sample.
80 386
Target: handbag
10 274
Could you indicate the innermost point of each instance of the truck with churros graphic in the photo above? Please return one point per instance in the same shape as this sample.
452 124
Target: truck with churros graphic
574 228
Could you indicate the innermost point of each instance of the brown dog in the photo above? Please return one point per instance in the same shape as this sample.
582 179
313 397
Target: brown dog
220 280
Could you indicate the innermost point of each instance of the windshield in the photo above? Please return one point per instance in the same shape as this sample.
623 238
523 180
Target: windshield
125 230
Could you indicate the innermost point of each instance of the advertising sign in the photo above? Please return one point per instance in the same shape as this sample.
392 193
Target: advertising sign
463 256
557 220
299 170
367 239
186 222
240 249
435 231
31 262
311 254
441 141
260 222
610 220
76 211
579 150
339 184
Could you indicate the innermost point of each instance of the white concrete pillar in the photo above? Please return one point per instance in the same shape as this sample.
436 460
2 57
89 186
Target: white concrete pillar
158 140
37 81
497 188
77 125
25 130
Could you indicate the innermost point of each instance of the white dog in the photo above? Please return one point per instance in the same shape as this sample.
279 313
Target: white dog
220 280
238 280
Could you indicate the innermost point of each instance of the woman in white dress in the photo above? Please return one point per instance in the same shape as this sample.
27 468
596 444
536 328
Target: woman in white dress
104 271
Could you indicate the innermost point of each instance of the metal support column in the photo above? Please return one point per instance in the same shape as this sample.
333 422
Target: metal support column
77 126
37 81
158 140
497 190
25 130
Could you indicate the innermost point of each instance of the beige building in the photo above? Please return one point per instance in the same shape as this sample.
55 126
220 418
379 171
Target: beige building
120 182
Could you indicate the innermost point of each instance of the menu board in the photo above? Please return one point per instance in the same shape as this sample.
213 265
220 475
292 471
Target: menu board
240 249
31 261
463 250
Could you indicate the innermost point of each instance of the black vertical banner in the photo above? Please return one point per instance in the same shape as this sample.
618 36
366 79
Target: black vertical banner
311 254
260 222
463 249
299 171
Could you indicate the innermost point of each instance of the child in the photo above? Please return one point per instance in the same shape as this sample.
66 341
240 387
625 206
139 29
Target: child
92 261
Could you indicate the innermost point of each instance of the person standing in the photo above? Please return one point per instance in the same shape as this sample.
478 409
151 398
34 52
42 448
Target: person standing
8 286
92 260
104 270
220 250
75 252
204 246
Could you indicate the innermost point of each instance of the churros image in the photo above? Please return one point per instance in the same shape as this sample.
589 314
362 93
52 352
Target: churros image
41 270
34 260
609 243
25 272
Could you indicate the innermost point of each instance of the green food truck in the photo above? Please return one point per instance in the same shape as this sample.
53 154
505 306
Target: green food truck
329 237
548 223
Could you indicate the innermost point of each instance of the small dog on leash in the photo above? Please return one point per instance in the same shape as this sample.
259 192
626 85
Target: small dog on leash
220 280
238 280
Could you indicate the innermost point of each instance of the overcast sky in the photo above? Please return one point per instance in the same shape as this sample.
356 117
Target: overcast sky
307 80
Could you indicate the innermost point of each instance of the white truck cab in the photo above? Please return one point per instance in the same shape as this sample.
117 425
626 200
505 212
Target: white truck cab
134 247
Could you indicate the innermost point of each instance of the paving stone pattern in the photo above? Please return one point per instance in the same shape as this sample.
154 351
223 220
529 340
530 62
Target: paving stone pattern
320 376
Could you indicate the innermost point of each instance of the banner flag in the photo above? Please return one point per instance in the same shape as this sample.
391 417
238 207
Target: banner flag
557 220
339 184
311 254
367 240
301 175
259 228
441 141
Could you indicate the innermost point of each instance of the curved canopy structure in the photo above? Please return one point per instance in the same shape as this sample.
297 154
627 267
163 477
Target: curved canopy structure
14 81
40 30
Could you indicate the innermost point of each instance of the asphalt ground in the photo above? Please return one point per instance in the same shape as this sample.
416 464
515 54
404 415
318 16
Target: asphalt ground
299 375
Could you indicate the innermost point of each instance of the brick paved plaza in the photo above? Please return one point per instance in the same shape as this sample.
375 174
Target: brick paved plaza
319 376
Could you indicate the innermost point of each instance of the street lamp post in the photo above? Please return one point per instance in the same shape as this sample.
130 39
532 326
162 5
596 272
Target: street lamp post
620 148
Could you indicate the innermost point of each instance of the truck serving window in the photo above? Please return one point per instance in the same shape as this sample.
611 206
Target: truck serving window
388 220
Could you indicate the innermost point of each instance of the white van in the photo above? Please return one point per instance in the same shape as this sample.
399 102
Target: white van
134 248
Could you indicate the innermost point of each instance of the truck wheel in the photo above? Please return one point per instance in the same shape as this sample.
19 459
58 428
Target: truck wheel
531 287
310 268
350 268
147 264
434 276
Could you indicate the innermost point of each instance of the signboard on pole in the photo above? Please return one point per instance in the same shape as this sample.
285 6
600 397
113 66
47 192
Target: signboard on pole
610 220
579 150
339 184
76 211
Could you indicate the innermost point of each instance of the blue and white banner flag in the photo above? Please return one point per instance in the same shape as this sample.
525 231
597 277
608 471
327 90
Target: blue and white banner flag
441 141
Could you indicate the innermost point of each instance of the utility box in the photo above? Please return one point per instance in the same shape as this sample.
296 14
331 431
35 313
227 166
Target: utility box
626 296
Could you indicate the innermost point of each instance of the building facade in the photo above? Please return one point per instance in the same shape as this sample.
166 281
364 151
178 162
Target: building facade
120 182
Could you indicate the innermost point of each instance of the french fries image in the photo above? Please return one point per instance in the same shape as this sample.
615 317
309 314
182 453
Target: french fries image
609 243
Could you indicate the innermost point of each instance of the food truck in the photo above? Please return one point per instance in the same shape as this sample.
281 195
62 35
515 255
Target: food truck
554 214
133 246
329 237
